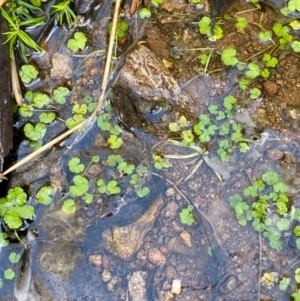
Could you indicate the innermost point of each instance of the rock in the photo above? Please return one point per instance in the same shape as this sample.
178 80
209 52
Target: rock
176 287
156 257
177 245
172 209
270 88
125 241
170 272
177 226
61 66
95 260
137 286
186 237
106 276
166 286
166 296
112 283
147 77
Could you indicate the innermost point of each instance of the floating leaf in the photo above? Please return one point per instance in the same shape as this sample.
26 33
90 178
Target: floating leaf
75 165
9 274
69 206
78 42
14 257
45 194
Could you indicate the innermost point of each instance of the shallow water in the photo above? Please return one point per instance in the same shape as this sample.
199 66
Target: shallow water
124 247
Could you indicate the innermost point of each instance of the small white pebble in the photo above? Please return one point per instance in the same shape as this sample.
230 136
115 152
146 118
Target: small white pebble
176 287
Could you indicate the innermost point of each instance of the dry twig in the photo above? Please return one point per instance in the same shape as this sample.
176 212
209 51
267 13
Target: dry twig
97 110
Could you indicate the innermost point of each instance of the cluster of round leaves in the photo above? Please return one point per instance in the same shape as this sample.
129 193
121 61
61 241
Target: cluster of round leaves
81 185
217 123
14 208
287 282
9 273
37 106
270 211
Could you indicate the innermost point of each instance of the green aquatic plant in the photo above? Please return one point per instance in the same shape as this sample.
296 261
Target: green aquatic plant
26 110
186 215
69 206
157 2
110 187
81 186
291 284
9 274
75 165
160 163
205 25
45 194
75 120
47 117
241 23
145 13
28 73
78 42
268 206
59 95
14 257
35 133
14 208
212 125
38 99
122 28
228 56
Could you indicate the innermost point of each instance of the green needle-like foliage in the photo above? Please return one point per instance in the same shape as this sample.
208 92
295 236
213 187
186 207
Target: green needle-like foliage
64 12
12 13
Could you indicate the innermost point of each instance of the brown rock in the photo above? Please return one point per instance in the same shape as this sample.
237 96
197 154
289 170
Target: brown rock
166 296
176 245
170 272
125 241
106 276
172 209
137 286
166 286
156 257
61 66
177 226
105 261
96 260
180 267
186 237
270 88
275 154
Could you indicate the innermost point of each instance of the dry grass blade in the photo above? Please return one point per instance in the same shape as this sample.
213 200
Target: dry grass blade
15 81
97 110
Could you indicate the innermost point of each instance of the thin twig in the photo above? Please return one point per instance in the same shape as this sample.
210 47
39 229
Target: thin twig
197 208
15 80
97 110
259 268
42 149
108 58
